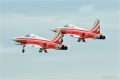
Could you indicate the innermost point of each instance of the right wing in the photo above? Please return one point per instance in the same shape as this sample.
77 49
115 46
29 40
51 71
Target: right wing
75 36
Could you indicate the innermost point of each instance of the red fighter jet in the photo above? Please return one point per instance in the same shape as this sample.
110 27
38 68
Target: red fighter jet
42 43
80 33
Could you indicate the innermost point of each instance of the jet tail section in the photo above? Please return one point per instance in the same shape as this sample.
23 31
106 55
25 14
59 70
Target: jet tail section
96 27
58 37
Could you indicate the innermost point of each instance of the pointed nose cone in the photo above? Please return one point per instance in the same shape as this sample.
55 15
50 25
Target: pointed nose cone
13 39
53 29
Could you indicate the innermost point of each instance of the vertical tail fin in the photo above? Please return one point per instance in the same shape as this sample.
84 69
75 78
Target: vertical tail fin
58 37
96 27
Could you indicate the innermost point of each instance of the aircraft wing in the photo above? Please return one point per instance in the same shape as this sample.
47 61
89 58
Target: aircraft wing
38 46
34 45
72 35
75 36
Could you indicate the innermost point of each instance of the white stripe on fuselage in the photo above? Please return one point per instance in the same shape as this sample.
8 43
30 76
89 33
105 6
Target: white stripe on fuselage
72 27
75 29
34 38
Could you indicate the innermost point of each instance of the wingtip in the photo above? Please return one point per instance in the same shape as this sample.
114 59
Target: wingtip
68 46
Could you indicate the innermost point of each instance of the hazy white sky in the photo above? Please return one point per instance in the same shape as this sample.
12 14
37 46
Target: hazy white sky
93 60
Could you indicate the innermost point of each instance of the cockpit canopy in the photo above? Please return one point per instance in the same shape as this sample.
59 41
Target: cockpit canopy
28 35
31 35
72 26
34 36
67 25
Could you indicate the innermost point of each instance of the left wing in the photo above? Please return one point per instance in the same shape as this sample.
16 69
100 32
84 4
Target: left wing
34 45
41 48
79 38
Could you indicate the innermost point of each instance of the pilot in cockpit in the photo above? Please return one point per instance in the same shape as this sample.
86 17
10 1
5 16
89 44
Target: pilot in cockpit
27 35
66 26
31 35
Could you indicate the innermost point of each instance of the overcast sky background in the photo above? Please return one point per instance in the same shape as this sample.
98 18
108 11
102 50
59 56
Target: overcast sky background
93 60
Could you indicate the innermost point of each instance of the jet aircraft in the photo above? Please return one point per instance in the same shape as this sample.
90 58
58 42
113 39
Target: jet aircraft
81 33
42 43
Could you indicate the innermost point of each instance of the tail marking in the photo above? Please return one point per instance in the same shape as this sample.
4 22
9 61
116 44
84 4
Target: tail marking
96 27
58 37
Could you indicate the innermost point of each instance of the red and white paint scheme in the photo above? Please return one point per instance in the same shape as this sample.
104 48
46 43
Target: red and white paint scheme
80 33
42 43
